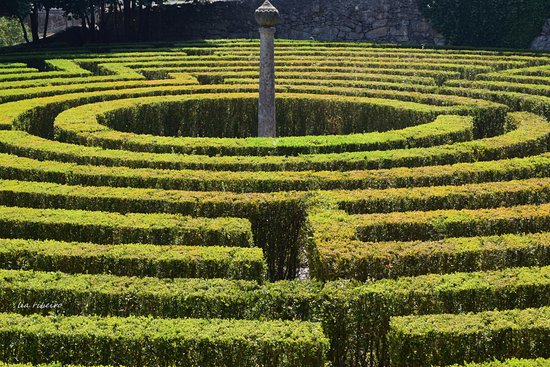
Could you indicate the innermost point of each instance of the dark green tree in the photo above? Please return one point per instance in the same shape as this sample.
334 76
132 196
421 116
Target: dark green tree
18 9
130 17
487 23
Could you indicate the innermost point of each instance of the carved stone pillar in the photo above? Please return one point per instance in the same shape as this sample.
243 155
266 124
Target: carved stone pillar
267 16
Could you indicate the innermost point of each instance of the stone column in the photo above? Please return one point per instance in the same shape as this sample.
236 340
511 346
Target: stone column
267 16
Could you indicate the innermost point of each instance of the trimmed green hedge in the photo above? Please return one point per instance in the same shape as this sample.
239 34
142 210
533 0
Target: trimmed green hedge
52 364
506 86
36 115
447 339
513 144
330 225
514 362
106 295
362 314
437 224
533 103
360 247
25 169
516 143
236 115
533 78
419 69
538 104
275 218
112 228
15 91
489 118
262 209
134 259
484 105
355 316
136 341
80 125
472 196
58 67
333 259
420 76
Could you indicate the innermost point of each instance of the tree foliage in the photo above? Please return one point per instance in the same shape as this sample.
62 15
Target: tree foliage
487 23
130 17
10 32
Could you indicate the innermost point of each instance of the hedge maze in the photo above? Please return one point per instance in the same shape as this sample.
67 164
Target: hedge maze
401 218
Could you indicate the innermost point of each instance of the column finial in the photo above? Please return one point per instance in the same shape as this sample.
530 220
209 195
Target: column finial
267 15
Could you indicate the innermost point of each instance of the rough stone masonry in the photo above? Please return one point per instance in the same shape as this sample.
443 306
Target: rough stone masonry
327 20
542 42
391 21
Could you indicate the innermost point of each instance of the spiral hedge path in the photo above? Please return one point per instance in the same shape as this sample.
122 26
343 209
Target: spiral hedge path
142 223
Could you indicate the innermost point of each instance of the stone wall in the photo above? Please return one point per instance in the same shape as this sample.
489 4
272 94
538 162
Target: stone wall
328 20
542 42
386 21
57 22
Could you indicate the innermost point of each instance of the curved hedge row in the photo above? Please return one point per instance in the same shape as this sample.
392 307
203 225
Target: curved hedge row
89 125
110 228
539 362
138 340
142 219
134 259
354 316
440 339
